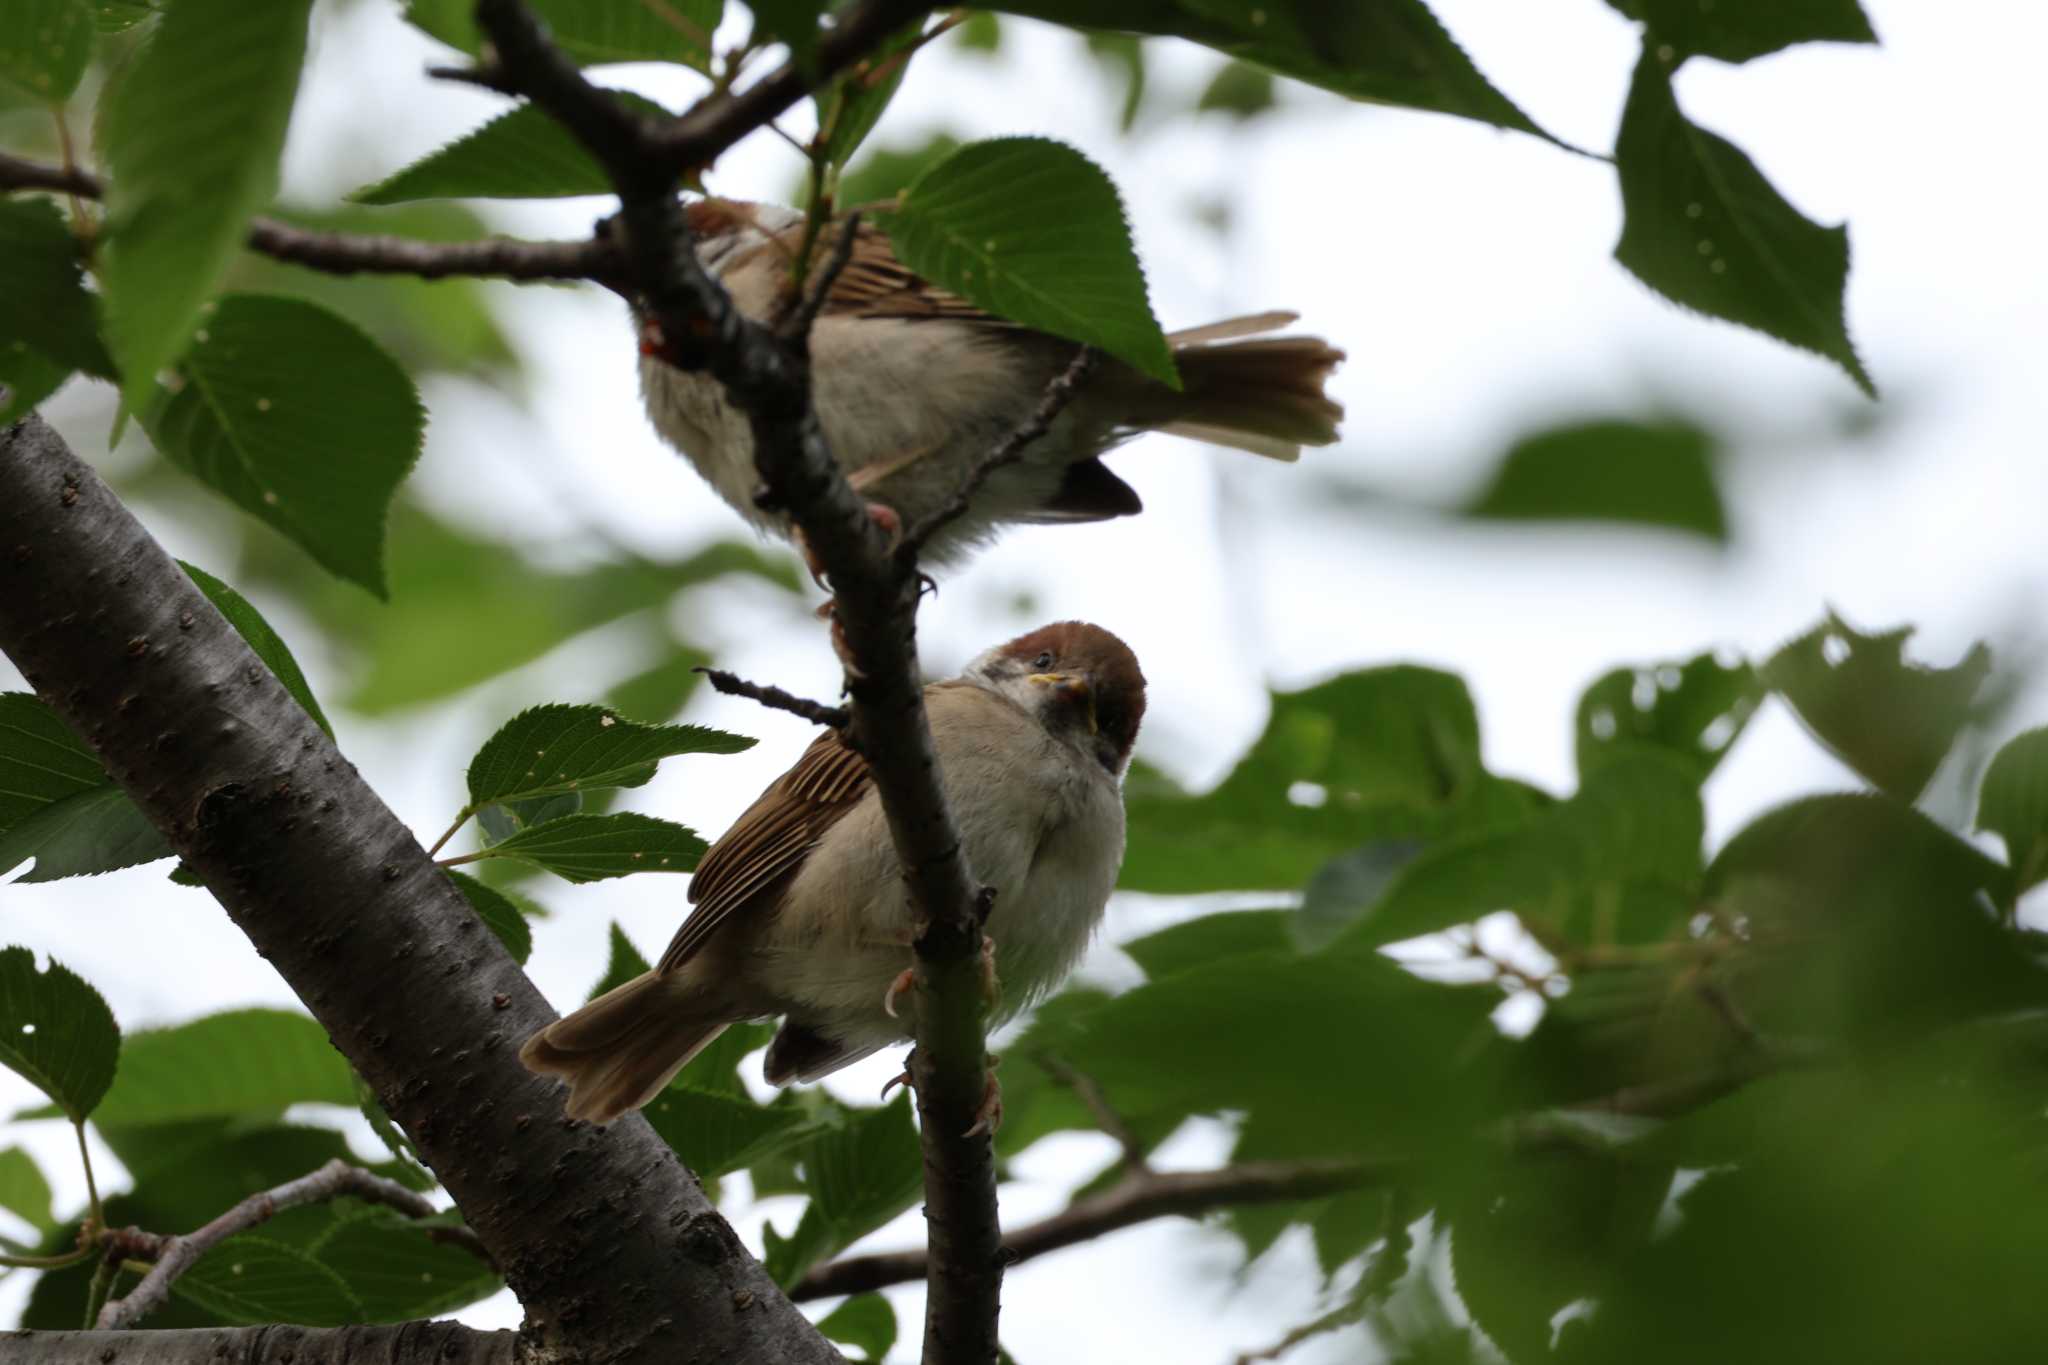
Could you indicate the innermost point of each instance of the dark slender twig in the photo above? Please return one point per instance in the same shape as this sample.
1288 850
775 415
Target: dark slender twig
176 1255
798 324
776 699
1187 1194
353 253
1007 451
1106 1116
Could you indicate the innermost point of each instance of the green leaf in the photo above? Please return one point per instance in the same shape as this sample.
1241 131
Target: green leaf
851 106
1387 52
57 1032
715 1133
267 644
624 964
792 22
1702 227
717 1068
394 1269
1635 821
26 378
1694 711
45 47
1382 753
1238 89
1121 57
588 848
254 1062
592 32
1891 720
885 172
298 417
1346 887
498 913
23 1190
192 133
49 310
523 154
860 1173
500 822
1207 939
2013 803
1033 231
41 760
548 750
1737 30
867 1321
98 830
118 16
1641 473
254 1279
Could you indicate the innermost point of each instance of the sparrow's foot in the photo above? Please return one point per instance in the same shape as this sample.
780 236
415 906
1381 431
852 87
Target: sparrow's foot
905 982
988 1116
901 1078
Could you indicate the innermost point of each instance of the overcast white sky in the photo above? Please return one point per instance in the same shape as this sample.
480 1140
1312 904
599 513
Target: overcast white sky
1467 272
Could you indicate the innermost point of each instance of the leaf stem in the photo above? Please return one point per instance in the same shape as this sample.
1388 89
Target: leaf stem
69 1258
460 820
92 1190
459 859
102 1284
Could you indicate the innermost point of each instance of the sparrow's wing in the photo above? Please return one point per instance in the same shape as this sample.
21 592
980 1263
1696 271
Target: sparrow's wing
770 840
874 284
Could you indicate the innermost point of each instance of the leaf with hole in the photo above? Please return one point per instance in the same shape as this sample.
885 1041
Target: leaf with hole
1033 231
1703 227
1693 711
301 420
1890 719
56 1032
191 135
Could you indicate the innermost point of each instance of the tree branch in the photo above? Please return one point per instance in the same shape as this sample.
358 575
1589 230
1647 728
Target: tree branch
1137 1199
767 377
351 253
410 1343
175 1255
610 1245
733 685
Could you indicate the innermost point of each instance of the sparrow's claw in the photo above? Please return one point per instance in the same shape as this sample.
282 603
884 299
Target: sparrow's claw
901 1078
991 986
988 1116
905 982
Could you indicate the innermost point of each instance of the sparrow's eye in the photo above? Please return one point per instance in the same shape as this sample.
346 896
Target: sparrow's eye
1043 661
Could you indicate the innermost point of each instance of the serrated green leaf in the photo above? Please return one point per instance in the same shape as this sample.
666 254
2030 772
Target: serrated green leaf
44 304
1381 753
98 830
885 172
523 154
498 913
851 106
56 1032
1693 711
45 46
2012 802
865 1320
237 1063
268 645
1658 474
1737 30
298 417
588 848
1891 720
715 1133
622 965
192 135
41 760
254 1279
1033 231
394 1269
23 1190
1388 52
860 1173
547 750
1704 228
592 32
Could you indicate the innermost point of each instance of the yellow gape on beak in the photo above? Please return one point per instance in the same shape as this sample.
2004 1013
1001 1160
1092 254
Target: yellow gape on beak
1071 685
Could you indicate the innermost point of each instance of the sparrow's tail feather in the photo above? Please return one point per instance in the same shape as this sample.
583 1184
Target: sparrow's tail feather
622 1049
1262 394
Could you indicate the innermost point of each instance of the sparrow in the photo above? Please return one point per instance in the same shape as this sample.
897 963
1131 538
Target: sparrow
801 910
914 385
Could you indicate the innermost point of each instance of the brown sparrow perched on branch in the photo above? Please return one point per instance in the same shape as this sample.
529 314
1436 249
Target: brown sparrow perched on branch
801 908
914 386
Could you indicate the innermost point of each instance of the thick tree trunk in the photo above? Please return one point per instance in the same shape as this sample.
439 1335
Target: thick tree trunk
411 1343
609 1243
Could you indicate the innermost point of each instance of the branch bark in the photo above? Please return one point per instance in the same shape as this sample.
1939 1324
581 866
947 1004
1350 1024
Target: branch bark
608 1242
1137 1199
767 376
412 1343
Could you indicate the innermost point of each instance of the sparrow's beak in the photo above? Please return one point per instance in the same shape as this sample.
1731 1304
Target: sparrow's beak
1071 687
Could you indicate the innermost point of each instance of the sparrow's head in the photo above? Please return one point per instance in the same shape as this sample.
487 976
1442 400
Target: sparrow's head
1080 680
725 230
